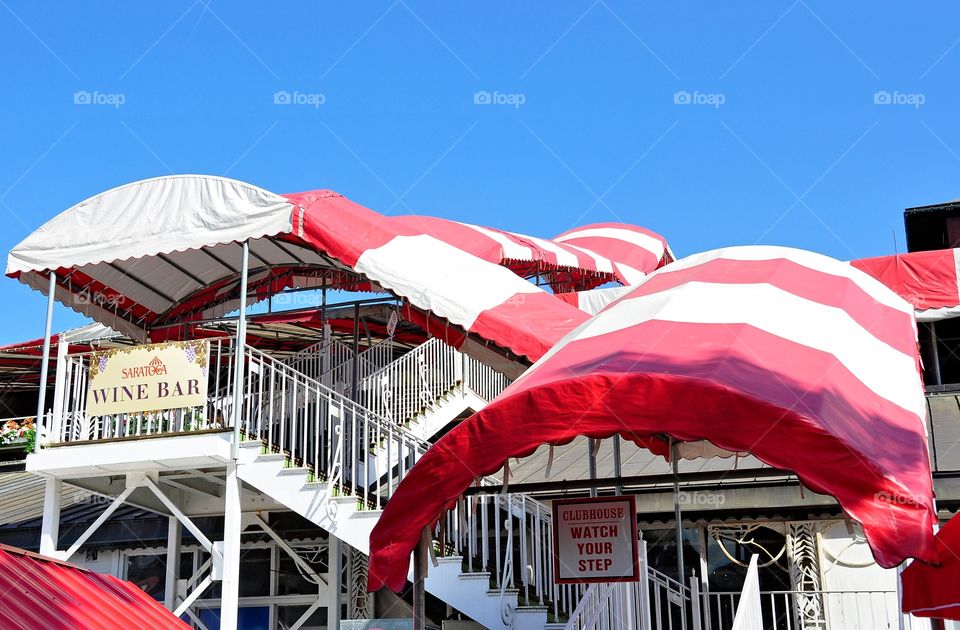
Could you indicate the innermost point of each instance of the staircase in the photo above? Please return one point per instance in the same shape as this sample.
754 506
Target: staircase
337 462
430 387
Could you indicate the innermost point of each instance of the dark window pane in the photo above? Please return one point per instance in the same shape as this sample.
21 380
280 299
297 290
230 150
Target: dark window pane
292 581
288 615
254 572
148 573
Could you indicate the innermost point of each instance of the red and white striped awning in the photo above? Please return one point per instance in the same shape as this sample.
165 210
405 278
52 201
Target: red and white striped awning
164 251
566 267
801 360
634 250
929 280
594 300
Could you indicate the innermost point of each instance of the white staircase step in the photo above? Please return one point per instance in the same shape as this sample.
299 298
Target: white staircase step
298 470
271 457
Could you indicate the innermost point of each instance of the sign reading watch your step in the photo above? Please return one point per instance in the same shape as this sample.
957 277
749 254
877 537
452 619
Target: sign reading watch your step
595 540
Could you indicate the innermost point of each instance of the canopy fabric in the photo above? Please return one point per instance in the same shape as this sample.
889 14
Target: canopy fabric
929 280
799 359
525 255
934 591
437 278
635 251
167 250
594 300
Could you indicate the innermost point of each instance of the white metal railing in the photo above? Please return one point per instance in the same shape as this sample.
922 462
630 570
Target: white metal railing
615 605
416 381
799 610
357 451
331 362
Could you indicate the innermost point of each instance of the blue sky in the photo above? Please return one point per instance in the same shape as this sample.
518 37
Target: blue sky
810 124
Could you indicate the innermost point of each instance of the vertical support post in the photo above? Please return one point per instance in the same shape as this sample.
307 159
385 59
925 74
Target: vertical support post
646 614
173 563
334 580
617 488
355 372
239 352
44 366
50 525
695 602
419 582
936 353
232 527
59 391
676 510
592 463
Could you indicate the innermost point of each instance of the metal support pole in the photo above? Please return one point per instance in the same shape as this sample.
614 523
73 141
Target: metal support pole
232 527
173 563
618 488
239 352
44 366
419 583
50 525
592 463
676 510
355 372
936 353
334 581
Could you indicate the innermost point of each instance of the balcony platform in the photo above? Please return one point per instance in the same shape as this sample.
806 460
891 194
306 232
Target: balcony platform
158 453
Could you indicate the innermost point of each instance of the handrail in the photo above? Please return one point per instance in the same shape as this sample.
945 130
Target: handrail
353 449
408 386
330 361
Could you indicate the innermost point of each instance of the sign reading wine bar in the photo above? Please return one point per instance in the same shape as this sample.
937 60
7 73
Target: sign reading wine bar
595 540
151 377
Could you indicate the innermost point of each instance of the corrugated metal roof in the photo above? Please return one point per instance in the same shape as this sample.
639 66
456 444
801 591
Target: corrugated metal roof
38 592
21 497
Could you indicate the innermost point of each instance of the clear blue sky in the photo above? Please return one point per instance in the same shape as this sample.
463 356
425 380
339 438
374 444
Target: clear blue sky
797 152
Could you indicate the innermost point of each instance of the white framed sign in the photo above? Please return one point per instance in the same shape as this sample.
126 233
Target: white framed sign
150 377
595 540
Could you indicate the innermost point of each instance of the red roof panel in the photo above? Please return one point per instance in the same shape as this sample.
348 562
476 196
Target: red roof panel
39 592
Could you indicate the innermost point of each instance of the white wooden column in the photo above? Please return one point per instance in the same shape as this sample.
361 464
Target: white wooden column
173 563
231 551
50 526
